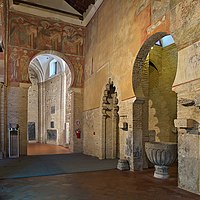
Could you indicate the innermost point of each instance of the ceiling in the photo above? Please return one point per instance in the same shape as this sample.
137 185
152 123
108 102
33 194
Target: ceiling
80 5
72 8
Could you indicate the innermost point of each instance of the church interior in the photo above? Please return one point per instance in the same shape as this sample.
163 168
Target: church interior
106 91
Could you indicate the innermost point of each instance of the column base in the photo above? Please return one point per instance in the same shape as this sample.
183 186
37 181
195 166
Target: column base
161 172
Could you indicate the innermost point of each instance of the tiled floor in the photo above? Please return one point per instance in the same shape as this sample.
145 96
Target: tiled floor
103 185
99 185
45 149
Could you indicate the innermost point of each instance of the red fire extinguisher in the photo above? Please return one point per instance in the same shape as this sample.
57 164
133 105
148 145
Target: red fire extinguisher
78 133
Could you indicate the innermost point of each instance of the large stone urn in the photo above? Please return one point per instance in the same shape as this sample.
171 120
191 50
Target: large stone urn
162 155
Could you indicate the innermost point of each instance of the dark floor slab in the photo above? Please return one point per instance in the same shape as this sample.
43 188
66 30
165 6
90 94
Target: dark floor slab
108 185
45 165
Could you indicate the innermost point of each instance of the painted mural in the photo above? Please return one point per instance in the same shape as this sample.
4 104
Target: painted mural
19 60
72 40
41 34
30 35
78 63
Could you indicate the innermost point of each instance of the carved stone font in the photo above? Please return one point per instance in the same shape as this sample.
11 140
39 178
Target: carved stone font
162 155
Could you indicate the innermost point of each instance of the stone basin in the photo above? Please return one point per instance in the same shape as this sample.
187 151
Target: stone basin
162 155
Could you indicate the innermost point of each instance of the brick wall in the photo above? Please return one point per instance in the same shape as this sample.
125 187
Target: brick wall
162 100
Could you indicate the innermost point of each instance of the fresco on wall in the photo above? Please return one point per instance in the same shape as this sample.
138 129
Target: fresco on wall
159 8
78 64
40 34
72 40
23 32
49 36
30 35
19 60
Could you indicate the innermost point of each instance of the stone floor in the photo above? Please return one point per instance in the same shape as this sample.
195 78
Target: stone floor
45 149
108 185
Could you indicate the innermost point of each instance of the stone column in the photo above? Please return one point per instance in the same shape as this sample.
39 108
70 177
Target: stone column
76 144
136 163
1 122
17 98
41 113
62 139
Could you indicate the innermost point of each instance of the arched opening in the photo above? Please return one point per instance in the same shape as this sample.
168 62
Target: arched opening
110 121
154 108
49 105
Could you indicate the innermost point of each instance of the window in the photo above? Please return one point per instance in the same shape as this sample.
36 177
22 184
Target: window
165 41
53 67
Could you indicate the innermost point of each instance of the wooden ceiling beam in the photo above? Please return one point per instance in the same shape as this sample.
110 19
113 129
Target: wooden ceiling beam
80 5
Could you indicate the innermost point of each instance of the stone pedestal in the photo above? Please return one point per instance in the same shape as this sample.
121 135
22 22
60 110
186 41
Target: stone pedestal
123 165
161 172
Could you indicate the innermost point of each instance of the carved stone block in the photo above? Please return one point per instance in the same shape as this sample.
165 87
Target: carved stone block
184 123
123 165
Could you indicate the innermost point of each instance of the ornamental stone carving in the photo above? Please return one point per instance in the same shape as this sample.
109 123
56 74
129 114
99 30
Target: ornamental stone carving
162 155
110 120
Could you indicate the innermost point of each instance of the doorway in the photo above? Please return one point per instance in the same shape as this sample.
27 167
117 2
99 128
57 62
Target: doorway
154 108
48 105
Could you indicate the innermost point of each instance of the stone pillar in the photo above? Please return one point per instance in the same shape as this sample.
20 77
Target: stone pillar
1 122
17 105
62 139
76 144
138 146
41 113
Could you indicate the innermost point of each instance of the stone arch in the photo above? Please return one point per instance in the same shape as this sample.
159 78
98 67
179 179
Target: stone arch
62 56
64 94
138 160
140 60
110 120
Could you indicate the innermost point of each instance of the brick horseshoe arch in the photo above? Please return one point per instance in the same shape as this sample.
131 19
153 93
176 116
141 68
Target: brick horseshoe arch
138 159
62 56
139 62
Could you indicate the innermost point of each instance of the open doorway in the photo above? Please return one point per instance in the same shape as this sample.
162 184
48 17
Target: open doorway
155 105
48 106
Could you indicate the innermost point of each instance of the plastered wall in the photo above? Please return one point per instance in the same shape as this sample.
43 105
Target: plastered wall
112 43
114 37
